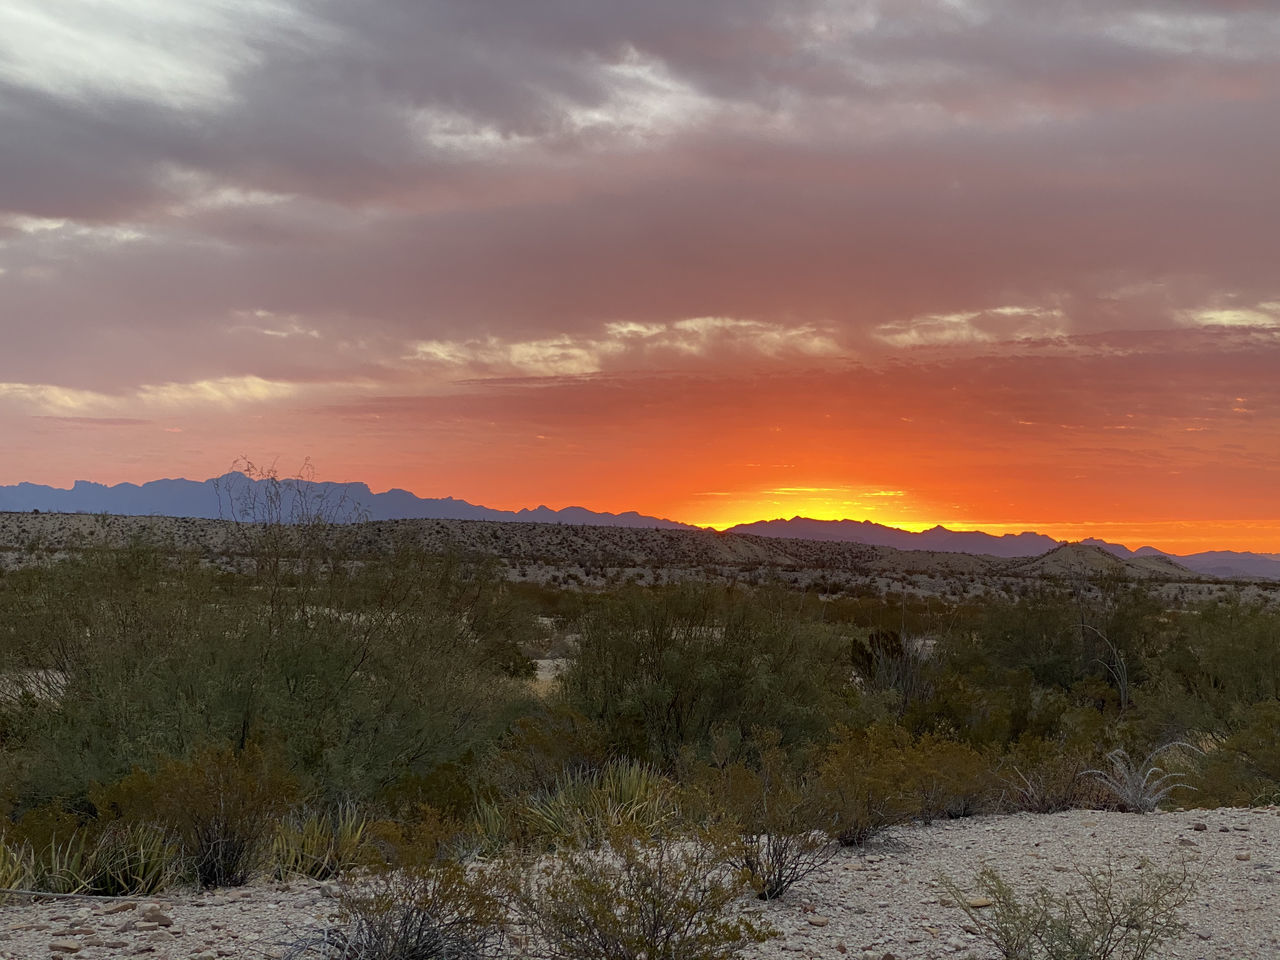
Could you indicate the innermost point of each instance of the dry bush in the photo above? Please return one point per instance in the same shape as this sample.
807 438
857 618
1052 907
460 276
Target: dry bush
1046 776
771 819
222 805
431 911
639 896
1102 918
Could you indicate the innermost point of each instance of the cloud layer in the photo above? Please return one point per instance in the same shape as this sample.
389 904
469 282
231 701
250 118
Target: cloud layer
218 218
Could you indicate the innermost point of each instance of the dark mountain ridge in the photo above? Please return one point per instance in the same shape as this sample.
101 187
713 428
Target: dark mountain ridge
237 496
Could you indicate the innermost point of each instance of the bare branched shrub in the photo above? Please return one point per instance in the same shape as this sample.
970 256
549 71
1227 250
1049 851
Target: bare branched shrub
1140 787
637 897
1103 918
773 820
428 912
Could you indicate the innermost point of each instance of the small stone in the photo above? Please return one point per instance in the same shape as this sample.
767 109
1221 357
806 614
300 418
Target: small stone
1202 827
66 946
979 902
119 907
152 913
817 921
146 925
1242 856
1184 842
1224 829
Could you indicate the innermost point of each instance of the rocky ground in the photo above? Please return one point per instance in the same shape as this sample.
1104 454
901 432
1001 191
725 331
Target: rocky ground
884 900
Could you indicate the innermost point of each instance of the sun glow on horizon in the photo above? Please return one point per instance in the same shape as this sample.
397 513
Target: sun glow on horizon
721 510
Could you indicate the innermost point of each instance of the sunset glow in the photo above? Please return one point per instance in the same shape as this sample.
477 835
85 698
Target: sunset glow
982 264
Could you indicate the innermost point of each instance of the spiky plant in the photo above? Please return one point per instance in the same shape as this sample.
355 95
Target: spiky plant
1140 787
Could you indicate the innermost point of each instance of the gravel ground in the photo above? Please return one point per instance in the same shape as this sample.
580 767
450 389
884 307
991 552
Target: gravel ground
886 899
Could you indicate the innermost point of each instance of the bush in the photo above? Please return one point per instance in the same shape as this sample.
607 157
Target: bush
221 804
584 807
1102 919
771 819
665 672
1046 776
428 912
114 860
16 869
862 780
639 897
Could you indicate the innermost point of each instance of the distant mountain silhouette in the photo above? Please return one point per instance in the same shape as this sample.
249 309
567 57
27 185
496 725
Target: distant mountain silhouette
1212 563
878 535
236 496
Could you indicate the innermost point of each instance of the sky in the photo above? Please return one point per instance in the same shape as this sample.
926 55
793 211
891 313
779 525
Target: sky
987 263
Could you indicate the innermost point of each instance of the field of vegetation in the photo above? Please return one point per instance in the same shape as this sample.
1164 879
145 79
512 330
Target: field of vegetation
327 711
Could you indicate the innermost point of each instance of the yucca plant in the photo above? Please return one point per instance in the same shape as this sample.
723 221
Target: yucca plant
62 865
15 866
132 859
318 844
582 806
1140 787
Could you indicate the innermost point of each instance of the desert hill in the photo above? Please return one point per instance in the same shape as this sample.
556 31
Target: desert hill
597 555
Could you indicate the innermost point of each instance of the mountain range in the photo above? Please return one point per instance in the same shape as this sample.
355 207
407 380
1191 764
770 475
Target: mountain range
1213 563
237 496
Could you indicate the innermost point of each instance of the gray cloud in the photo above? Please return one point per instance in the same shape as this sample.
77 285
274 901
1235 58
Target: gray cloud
397 171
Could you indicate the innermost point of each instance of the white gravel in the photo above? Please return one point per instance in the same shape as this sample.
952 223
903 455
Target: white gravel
885 899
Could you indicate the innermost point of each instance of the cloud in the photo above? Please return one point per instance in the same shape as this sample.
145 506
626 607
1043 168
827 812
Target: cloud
428 205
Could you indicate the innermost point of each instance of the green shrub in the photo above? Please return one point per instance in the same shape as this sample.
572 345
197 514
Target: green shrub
862 782
665 672
579 808
638 897
1101 919
771 820
221 804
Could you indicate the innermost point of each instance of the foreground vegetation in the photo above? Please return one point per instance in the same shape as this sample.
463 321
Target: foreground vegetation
165 720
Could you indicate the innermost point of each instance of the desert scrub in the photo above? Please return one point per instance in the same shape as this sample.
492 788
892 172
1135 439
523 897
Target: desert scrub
1140 787
770 818
111 860
428 911
582 807
863 783
639 896
220 803
1101 918
319 843
15 866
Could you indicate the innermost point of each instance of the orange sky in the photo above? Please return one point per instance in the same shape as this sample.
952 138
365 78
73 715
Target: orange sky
989 265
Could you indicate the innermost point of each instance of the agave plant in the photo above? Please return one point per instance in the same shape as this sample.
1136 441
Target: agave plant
1140 787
